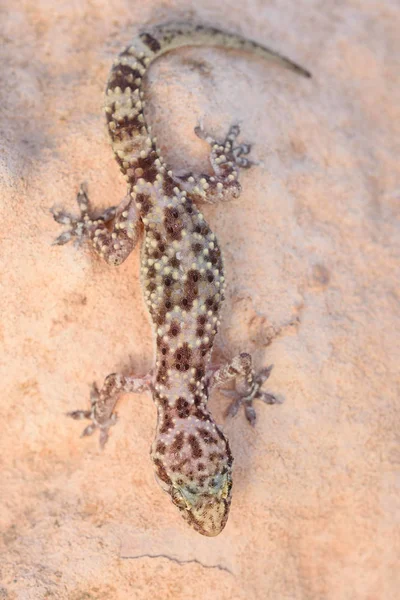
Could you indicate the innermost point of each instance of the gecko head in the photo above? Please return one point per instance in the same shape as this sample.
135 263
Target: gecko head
205 510
202 500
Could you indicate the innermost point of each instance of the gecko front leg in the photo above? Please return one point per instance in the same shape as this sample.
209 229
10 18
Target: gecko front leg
102 403
248 385
226 158
113 245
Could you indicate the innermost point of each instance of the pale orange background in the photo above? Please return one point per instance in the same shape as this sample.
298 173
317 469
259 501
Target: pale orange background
312 260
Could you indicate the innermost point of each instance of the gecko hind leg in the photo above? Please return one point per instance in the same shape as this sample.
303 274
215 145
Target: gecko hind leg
227 158
102 403
248 385
113 245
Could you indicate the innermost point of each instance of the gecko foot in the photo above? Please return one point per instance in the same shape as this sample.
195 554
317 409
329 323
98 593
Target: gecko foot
248 395
91 415
225 155
79 227
227 158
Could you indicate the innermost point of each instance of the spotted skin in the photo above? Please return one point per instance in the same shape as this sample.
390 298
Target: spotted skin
182 276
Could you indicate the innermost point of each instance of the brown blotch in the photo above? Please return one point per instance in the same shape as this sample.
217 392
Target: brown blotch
168 185
210 276
194 276
209 301
201 466
150 170
161 315
149 41
201 415
215 257
190 293
206 348
189 206
120 76
202 229
183 353
167 424
198 400
216 307
186 303
197 248
200 373
126 70
183 408
206 436
175 262
145 202
128 127
162 346
161 471
161 448
151 273
173 223
175 329
168 303
161 400
162 376
197 452
178 442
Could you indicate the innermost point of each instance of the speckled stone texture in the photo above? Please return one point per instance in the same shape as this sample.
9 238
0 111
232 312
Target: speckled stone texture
312 258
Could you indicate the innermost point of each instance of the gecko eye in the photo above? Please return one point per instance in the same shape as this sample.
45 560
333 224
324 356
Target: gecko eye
178 499
227 488
222 484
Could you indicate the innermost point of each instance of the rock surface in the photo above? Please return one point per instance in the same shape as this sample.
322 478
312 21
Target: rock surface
312 256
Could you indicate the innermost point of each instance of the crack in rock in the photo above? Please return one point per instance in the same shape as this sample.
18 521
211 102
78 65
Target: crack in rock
179 562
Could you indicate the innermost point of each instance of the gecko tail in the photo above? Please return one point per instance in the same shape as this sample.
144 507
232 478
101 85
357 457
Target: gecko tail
169 36
134 147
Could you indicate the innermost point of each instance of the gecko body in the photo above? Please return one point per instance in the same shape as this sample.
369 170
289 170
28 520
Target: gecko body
182 276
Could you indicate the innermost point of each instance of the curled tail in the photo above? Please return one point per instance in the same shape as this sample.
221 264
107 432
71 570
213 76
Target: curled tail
132 143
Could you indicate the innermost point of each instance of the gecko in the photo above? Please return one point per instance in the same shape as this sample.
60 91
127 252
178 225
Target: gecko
182 279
